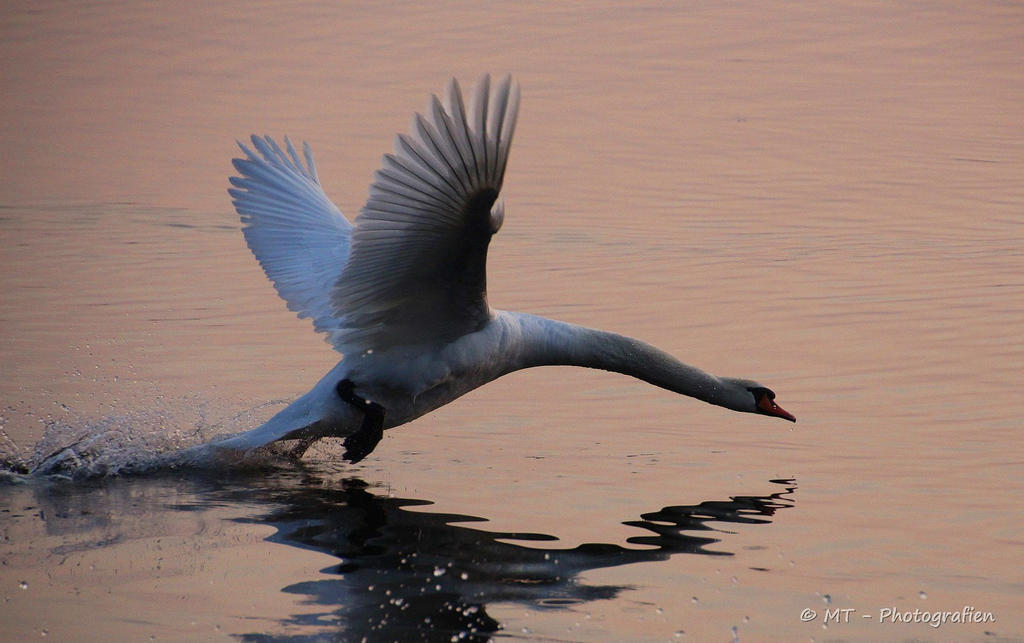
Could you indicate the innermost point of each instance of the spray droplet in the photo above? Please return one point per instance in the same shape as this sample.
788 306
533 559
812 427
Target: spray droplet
827 598
23 585
922 595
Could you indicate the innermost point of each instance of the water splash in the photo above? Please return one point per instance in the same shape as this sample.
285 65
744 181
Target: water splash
76 447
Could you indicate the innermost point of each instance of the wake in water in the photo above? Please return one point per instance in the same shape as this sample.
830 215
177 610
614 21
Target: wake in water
75 447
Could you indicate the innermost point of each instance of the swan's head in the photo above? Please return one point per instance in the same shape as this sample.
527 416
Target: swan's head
757 398
764 400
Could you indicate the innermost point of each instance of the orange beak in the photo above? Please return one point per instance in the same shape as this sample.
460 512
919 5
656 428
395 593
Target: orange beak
768 406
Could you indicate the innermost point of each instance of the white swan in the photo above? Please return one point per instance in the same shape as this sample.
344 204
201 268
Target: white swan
402 293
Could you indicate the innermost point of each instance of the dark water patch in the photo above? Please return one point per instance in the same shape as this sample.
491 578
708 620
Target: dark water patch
402 571
407 574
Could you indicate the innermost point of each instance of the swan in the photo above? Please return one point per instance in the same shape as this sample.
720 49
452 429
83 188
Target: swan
402 294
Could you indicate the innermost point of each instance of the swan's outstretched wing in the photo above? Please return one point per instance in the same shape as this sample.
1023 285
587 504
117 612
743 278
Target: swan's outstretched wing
416 272
298 236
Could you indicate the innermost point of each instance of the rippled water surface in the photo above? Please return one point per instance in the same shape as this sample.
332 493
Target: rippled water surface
828 199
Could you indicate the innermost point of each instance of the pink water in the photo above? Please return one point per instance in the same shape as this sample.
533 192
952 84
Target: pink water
825 198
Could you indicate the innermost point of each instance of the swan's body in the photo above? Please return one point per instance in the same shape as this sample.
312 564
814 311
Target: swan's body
402 294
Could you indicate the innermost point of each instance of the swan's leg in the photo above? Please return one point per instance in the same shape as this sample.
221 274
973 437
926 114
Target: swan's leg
300 449
365 439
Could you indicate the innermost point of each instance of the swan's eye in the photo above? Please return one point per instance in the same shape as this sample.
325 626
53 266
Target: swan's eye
765 401
760 392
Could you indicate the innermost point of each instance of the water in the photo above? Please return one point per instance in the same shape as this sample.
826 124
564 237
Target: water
308 552
826 199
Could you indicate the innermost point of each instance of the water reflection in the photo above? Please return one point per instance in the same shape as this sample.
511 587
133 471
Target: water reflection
403 572
412 574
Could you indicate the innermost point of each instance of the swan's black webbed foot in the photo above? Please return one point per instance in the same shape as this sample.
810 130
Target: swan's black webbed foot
365 439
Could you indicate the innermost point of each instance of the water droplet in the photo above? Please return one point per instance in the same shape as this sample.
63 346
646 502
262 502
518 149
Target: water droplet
439 571
694 600
23 585
679 634
922 595
464 576
735 634
827 598
660 611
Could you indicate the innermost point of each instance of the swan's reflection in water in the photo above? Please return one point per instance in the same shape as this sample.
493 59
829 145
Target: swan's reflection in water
407 574
403 572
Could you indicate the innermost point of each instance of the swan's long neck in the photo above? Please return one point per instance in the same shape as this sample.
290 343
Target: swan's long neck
546 342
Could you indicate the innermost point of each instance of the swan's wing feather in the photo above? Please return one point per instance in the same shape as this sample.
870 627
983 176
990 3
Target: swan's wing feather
416 272
298 236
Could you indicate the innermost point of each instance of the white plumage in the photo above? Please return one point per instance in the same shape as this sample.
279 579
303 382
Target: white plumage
298 236
402 294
